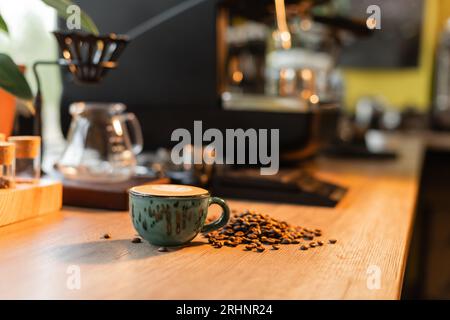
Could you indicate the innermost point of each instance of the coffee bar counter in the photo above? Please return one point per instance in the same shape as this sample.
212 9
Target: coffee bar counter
65 255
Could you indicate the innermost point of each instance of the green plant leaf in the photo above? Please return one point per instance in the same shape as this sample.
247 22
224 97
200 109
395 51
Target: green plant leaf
87 24
12 80
3 25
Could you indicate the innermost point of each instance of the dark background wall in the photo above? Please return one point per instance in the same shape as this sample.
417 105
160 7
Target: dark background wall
171 65
399 39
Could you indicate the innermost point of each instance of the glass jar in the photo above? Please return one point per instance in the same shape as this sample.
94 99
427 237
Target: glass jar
7 165
28 159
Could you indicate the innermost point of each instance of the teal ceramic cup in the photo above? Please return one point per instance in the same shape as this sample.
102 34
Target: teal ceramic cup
172 215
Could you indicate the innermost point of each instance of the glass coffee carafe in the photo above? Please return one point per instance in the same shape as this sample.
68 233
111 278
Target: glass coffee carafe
102 143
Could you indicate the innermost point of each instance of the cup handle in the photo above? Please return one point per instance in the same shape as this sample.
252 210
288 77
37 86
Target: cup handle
138 142
223 220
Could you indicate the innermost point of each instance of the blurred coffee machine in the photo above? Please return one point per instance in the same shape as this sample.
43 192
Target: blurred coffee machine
281 56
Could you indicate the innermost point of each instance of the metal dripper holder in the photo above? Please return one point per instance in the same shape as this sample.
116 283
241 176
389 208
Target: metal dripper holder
88 58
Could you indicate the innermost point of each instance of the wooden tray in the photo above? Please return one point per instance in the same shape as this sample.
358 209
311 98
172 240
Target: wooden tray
28 201
108 196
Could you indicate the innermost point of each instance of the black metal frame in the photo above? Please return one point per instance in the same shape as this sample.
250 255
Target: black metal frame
37 123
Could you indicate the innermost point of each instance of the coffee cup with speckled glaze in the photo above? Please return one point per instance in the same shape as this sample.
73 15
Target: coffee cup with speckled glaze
172 215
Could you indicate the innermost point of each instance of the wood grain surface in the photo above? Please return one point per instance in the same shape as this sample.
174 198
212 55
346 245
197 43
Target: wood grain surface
27 201
372 224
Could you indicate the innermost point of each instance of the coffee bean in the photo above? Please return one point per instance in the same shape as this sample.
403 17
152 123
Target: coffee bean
136 240
312 244
163 249
275 247
106 236
332 241
303 247
250 247
320 243
260 249
285 241
230 243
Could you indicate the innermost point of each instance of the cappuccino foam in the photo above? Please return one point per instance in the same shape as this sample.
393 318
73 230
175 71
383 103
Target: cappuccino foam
168 190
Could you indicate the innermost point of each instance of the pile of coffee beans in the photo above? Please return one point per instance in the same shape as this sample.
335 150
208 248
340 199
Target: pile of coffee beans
256 232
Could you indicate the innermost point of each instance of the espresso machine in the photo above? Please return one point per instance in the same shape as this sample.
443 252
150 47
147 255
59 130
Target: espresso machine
280 52
281 56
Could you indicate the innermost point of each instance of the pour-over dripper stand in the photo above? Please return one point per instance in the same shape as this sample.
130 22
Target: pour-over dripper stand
87 57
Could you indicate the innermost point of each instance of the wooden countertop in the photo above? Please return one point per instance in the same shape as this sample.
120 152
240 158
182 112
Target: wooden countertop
372 224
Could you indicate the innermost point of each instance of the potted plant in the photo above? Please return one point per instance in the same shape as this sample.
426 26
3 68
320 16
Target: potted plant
12 81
